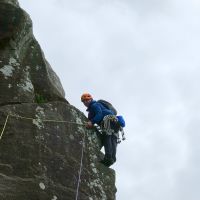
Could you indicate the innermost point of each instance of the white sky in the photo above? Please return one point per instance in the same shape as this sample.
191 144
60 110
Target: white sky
143 56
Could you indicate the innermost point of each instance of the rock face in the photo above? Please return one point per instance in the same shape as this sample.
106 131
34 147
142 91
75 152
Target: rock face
24 73
42 136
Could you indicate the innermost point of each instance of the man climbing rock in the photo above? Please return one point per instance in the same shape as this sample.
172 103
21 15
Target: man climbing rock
106 119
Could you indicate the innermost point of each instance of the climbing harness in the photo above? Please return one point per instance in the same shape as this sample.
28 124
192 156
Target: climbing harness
122 134
50 120
106 127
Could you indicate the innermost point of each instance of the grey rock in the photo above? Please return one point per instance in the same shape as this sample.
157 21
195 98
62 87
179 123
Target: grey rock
25 74
41 145
40 159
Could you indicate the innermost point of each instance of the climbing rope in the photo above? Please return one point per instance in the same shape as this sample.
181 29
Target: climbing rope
80 170
4 127
29 118
46 120
58 121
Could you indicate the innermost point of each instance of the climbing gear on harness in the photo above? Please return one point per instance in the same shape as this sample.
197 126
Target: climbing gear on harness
86 96
107 124
122 134
110 125
98 128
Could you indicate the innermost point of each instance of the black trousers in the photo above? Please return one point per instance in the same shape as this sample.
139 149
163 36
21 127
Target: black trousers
110 146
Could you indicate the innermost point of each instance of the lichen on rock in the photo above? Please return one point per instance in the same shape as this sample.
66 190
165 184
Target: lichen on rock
7 71
44 137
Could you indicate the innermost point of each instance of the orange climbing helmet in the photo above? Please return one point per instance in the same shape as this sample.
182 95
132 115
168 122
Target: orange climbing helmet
86 96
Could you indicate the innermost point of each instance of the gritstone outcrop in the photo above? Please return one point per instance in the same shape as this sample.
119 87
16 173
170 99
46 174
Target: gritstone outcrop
41 133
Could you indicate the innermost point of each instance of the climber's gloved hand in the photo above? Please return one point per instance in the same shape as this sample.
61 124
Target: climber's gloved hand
89 124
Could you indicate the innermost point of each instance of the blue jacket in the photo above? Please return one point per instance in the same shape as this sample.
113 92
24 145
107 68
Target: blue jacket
96 112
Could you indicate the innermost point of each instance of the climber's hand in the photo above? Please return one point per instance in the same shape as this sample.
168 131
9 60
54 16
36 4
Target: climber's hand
89 124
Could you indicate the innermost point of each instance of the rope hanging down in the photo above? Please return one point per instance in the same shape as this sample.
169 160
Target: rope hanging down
80 170
4 127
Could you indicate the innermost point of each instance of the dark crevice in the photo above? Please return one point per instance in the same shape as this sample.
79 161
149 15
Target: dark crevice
11 103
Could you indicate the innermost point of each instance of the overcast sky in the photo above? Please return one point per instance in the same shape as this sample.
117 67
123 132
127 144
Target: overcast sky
143 56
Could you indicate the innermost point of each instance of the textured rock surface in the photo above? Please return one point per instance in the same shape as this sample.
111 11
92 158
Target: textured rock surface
40 160
24 72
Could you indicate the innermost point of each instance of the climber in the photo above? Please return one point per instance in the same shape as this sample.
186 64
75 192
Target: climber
97 113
